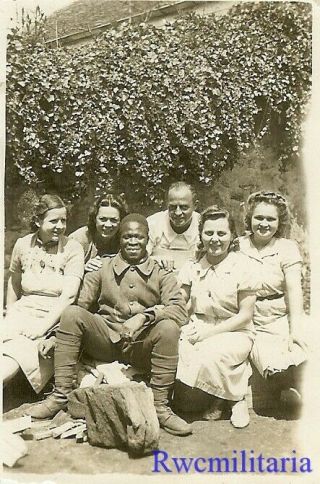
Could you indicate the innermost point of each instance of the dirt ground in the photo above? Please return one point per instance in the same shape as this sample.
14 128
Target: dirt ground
264 435
270 435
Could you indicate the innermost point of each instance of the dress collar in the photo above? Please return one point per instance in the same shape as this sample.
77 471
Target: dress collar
250 249
190 234
120 265
224 266
37 241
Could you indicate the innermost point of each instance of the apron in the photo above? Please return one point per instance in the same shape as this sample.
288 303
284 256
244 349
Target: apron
40 293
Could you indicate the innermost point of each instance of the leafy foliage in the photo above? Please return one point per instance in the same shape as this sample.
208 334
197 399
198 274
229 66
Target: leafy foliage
236 185
141 106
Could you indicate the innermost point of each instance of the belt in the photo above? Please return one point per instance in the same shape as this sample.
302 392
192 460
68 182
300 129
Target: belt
270 298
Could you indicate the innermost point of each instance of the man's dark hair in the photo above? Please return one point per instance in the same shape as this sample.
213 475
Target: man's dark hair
134 217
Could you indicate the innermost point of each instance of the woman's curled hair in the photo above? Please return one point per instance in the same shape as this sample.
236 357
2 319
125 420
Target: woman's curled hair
272 198
45 203
214 212
109 199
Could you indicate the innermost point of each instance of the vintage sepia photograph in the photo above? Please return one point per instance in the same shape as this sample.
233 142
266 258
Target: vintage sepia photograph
157 296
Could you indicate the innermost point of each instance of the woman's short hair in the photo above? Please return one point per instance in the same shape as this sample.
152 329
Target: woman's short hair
108 199
214 212
46 202
272 198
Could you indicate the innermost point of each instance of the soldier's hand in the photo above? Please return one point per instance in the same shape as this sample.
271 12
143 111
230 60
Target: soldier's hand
168 265
132 325
45 346
93 264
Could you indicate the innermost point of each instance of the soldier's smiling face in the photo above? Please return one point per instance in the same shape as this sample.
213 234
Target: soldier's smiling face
133 241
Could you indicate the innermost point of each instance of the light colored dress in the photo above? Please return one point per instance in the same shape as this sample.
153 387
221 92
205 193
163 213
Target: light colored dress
270 351
90 248
43 270
166 244
218 365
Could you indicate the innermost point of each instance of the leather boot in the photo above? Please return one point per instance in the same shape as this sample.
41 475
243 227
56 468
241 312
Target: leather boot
65 360
163 370
49 407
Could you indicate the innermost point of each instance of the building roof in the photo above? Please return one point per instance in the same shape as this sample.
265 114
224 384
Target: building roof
79 27
84 15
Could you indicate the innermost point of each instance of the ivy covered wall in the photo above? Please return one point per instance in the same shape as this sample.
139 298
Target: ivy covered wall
216 101
143 106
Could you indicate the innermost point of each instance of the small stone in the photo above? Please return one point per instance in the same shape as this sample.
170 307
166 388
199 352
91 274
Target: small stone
63 428
80 437
45 434
61 418
73 432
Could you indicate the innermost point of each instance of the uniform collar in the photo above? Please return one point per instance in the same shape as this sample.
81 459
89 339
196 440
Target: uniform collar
190 234
120 265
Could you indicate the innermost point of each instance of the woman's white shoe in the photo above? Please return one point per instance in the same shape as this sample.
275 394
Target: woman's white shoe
240 415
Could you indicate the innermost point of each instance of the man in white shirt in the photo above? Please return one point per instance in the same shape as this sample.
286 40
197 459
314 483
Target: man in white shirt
173 233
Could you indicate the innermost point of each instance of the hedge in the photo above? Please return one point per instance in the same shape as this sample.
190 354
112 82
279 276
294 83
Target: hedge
142 106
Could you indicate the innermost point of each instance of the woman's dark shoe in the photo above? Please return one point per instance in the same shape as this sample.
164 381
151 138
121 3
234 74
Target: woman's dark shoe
291 403
214 412
291 398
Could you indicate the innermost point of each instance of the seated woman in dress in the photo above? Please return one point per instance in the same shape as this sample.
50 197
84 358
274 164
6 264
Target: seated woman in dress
278 314
216 343
100 237
45 273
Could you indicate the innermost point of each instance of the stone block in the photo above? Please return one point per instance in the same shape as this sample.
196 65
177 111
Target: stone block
122 416
76 403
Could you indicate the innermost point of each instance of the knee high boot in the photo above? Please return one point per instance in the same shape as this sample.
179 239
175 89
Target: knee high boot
163 371
65 360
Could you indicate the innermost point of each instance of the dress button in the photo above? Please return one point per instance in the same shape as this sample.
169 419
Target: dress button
131 286
132 268
131 303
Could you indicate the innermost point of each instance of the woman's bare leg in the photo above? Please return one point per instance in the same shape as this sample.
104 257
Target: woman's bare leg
9 368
